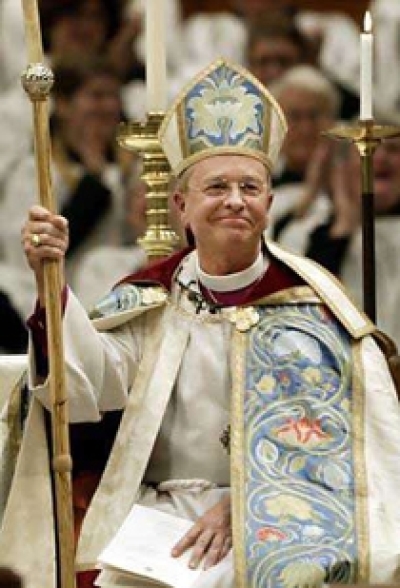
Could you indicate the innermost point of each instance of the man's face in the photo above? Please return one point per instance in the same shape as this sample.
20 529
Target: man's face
268 59
95 109
225 203
307 116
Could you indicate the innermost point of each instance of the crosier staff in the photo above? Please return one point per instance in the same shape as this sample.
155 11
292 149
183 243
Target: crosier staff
37 81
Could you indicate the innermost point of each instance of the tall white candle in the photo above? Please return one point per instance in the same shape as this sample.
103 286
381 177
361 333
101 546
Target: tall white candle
366 69
156 63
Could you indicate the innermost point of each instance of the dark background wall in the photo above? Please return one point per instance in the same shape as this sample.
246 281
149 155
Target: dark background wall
354 8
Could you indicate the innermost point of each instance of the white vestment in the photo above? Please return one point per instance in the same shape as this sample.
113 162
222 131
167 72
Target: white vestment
178 364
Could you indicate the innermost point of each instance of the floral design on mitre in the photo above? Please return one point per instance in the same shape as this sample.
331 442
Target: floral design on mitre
303 431
225 109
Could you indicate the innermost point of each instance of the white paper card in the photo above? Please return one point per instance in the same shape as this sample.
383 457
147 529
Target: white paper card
142 547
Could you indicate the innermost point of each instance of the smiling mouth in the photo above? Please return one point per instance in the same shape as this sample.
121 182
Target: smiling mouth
234 219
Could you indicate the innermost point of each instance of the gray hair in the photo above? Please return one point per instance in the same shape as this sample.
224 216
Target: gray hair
306 77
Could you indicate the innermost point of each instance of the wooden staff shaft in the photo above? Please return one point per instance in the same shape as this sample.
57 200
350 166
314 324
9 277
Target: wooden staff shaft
33 35
62 463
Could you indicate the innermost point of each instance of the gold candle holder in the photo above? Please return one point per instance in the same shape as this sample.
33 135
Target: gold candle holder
366 135
160 240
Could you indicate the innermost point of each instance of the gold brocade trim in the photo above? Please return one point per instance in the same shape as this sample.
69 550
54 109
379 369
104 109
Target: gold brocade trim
239 345
183 140
291 260
223 150
90 544
243 318
294 295
197 318
360 474
267 130
297 294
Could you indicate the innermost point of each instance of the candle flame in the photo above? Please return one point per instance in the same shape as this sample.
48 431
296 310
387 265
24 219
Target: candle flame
367 22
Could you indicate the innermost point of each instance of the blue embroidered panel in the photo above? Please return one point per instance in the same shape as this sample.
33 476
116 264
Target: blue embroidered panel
300 499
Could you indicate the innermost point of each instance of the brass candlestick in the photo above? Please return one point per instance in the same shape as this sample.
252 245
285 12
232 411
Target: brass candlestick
366 136
160 239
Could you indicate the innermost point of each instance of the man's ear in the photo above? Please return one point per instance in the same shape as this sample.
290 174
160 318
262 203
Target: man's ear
179 201
180 204
270 199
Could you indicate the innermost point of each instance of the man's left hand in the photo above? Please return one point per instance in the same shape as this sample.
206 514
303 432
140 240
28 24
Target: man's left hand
210 536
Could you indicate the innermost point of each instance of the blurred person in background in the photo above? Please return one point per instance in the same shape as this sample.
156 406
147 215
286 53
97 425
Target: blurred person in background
328 34
274 45
72 28
386 25
103 266
311 104
13 331
88 170
333 237
205 36
13 57
337 243
10 578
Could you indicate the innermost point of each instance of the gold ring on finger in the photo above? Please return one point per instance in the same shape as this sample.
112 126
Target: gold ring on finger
36 240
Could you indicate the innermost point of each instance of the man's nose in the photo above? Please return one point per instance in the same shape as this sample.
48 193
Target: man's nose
234 197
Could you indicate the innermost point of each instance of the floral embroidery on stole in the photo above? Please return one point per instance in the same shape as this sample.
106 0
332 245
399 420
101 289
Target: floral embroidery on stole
295 452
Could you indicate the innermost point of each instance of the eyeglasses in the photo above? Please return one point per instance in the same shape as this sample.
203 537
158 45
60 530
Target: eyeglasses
222 188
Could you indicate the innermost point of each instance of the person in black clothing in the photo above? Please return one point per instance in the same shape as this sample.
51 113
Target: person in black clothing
10 579
87 109
88 170
329 243
13 332
336 241
311 105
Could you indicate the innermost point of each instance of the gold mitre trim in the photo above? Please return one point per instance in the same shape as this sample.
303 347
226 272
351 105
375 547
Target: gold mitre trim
173 137
212 151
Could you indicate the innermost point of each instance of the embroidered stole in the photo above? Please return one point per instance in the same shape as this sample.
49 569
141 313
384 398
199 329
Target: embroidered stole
298 472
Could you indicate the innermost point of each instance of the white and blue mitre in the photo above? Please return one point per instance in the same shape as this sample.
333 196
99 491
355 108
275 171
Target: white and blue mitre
224 110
